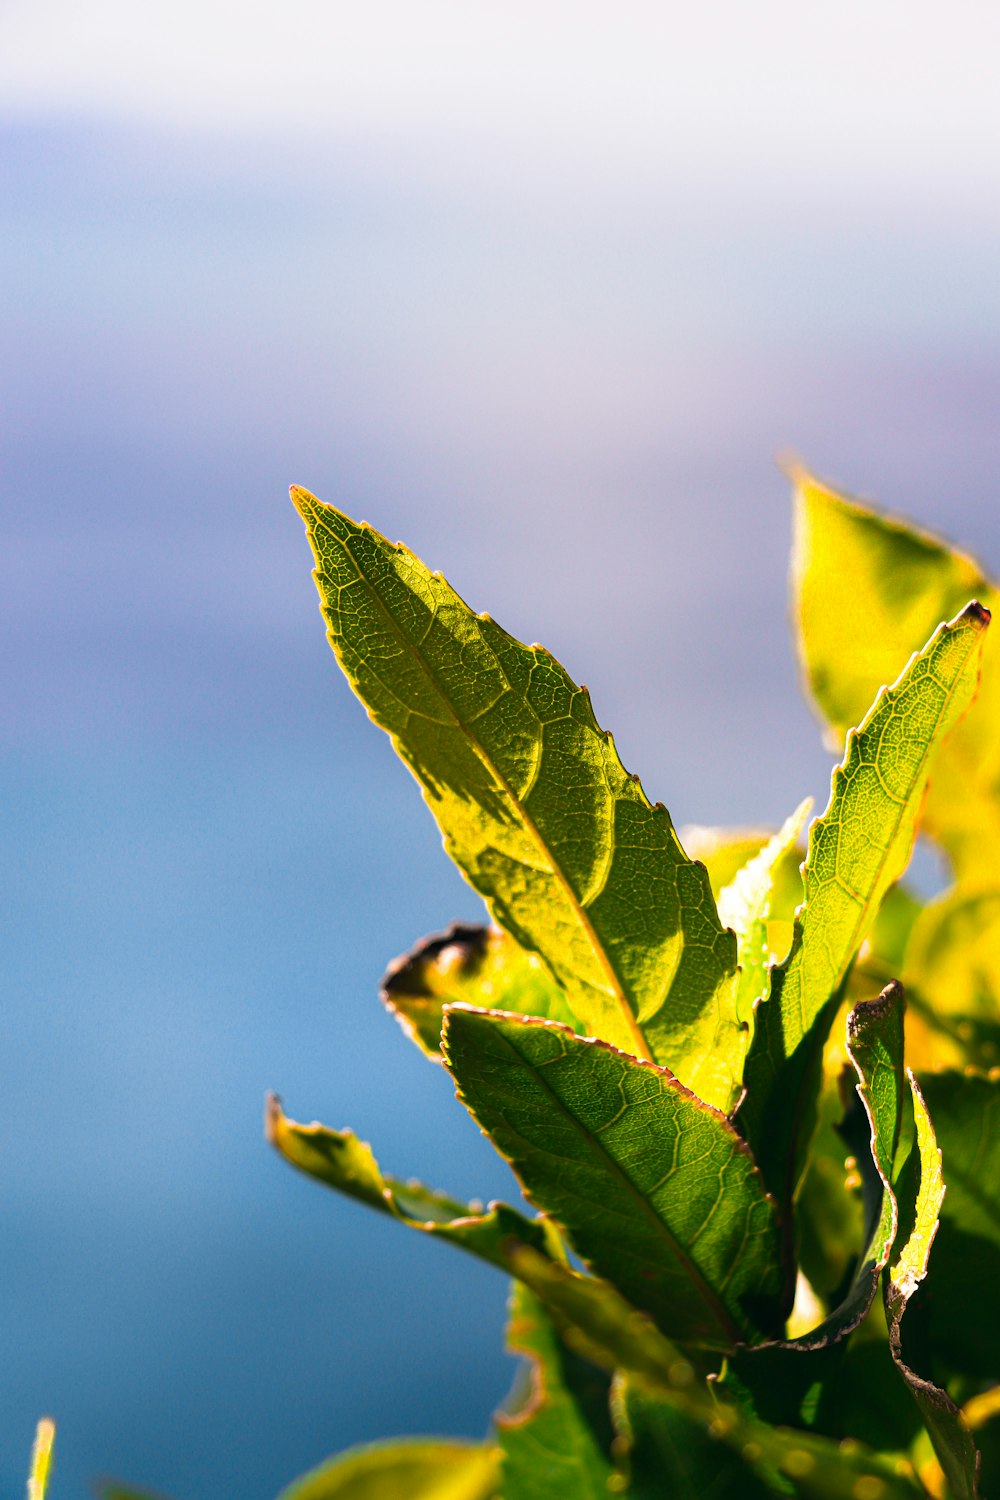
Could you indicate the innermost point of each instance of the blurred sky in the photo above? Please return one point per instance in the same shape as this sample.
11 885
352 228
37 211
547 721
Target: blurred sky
543 290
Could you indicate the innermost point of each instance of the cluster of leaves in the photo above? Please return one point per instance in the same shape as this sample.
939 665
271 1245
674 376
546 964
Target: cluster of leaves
692 1054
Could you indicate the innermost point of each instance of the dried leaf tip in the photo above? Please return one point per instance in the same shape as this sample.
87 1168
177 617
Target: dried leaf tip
893 994
792 466
977 614
272 1115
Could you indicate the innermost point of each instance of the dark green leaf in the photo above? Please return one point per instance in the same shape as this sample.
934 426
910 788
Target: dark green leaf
982 1414
952 1440
655 1190
342 1161
536 807
857 850
663 1451
787 1380
479 966
414 1468
557 1446
596 1321
963 1301
828 1209
126 1492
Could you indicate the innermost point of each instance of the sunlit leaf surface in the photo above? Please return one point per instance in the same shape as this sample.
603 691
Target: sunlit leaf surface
417 1468
655 1190
536 807
747 903
868 591
340 1160
857 851
949 1433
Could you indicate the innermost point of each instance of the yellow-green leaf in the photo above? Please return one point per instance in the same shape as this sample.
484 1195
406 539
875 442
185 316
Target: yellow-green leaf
535 806
857 850
745 906
868 591
340 1160
949 1433
41 1459
953 954
417 1468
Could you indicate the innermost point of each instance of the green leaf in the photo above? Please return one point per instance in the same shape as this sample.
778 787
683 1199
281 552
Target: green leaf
745 905
892 929
557 1445
340 1160
952 1440
828 1210
868 591
789 1380
655 1190
953 956
723 851
963 1310
417 1468
536 807
664 1451
857 850
126 1492
982 1415
600 1325
479 966
41 1459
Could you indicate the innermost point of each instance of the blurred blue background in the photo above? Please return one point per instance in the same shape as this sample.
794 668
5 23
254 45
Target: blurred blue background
542 289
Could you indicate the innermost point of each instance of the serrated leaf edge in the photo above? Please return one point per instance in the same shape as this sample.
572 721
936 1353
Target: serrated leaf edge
697 1276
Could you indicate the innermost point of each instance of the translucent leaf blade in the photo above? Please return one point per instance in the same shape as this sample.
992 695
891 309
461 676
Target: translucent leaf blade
655 1190
419 1468
868 590
535 806
745 905
949 1433
857 850
41 1459
340 1160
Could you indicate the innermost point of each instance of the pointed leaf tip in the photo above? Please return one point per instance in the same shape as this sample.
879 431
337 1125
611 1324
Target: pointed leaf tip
495 731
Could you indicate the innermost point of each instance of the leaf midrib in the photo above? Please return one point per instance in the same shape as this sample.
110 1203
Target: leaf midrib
415 653
708 1294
